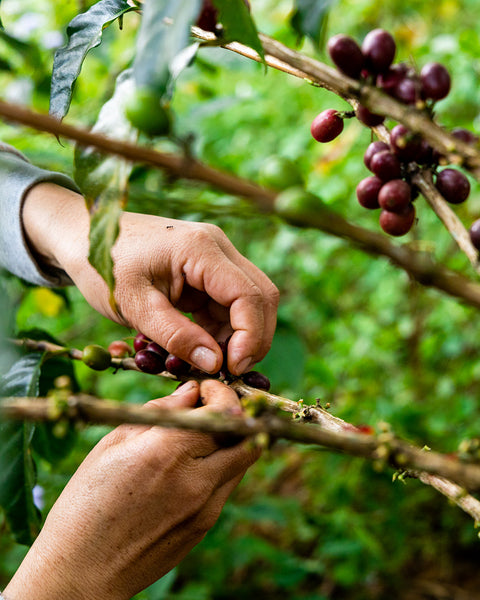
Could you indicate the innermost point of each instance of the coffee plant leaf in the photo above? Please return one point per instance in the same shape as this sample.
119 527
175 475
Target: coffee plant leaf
17 469
163 35
83 33
238 24
309 18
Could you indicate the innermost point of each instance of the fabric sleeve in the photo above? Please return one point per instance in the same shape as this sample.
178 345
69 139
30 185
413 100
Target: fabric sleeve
17 176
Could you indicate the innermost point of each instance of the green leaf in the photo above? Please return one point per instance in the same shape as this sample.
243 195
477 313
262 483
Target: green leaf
164 34
103 179
104 228
238 24
84 33
310 17
17 469
95 171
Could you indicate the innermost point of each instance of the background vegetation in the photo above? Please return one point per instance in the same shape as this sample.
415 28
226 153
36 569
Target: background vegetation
353 330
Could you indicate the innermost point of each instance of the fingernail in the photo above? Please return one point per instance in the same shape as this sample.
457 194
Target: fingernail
204 358
182 388
244 364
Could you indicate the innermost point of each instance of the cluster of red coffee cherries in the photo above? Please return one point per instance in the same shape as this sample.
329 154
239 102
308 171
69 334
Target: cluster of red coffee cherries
393 165
151 358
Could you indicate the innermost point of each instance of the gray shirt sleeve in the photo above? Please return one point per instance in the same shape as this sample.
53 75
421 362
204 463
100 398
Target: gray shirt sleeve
17 176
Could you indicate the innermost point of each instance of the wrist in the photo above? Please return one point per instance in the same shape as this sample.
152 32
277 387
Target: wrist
55 221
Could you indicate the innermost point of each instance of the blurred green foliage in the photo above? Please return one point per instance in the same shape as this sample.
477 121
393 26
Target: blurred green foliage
353 330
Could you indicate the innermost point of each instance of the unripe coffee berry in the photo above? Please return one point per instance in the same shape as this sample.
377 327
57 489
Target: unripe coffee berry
96 357
119 349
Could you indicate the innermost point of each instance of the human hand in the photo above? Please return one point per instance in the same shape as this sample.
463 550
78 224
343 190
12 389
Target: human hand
139 502
163 268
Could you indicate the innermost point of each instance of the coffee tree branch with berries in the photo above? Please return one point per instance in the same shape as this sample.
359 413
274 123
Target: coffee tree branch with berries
416 176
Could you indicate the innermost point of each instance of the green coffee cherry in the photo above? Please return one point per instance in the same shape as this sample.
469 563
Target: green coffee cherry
279 173
146 113
297 202
96 357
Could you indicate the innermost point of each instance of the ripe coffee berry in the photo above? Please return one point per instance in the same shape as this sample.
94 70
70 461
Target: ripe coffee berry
405 145
372 149
256 380
435 81
453 186
140 342
464 135
389 80
154 347
368 118
346 54
395 195
408 90
474 232
379 50
149 362
326 126
397 224
367 192
207 19
386 165
176 366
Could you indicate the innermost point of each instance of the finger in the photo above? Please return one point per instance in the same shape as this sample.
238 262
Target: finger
230 286
185 396
159 320
218 397
270 306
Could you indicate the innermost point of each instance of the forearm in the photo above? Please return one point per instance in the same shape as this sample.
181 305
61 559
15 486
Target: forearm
56 225
18 177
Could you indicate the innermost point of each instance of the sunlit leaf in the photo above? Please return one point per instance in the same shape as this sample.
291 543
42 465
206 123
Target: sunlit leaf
164 34
84 33
238 24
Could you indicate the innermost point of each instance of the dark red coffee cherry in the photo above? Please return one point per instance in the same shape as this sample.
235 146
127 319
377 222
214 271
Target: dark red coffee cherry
379 50
368 118
435 81
176 366
149 362
426 154
346 54
474 232
453 185
397 224
405 144
386 165
389 80
372 149
256 380
207 19
465 135
326 126
395 195
140 342
408 90
367 192
154 347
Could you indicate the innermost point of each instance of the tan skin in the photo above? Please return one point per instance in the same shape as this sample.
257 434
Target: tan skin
145 496
163 267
